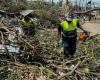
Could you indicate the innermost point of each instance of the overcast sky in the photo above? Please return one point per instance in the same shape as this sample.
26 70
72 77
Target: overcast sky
73 1
78 0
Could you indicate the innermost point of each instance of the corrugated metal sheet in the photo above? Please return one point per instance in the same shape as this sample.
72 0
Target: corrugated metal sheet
26 12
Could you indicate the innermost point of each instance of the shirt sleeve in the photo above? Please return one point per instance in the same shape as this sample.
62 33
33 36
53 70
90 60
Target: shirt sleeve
79 26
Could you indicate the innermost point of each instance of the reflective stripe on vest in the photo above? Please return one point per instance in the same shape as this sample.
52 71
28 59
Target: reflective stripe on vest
69 27
24 23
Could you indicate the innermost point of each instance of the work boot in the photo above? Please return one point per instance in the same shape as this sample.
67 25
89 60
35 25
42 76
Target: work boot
66 57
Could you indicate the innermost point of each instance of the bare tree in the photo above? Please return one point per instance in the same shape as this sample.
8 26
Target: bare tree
52 2
75 5
21 1
86 5
79 5
83 5
67 1
60 2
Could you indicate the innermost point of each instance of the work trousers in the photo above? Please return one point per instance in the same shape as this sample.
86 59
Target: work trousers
29 30
69 45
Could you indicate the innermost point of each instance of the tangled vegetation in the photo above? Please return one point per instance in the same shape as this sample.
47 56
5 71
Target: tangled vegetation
49 62
41 57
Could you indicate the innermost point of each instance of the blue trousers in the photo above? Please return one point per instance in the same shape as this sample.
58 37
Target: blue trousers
69 45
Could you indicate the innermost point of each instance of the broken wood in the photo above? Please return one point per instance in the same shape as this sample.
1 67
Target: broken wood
87 11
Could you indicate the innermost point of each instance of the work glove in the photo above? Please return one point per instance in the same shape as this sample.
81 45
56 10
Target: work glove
60 42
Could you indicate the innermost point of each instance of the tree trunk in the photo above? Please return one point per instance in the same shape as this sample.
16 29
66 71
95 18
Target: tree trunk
86 6
83 5
52 2
76 5
67 2
60 2
79 5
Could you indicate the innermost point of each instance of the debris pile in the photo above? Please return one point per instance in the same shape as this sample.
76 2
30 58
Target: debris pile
44 59
40 57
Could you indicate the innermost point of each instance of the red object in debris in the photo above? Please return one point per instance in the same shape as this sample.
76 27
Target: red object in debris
83 36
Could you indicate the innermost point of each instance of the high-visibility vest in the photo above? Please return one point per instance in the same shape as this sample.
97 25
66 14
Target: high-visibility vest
69 26
25 23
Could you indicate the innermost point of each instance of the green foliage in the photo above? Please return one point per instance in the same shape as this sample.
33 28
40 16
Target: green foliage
49 75
15 7
9 72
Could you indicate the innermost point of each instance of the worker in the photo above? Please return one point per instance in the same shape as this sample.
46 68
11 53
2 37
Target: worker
28 26
67 31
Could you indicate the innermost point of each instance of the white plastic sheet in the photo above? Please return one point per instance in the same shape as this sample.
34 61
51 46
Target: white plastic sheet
11 48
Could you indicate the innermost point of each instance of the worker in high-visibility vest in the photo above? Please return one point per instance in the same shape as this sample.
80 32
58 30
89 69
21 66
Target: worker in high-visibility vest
28 26
67 30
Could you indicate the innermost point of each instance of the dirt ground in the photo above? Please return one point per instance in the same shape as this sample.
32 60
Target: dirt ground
92 26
